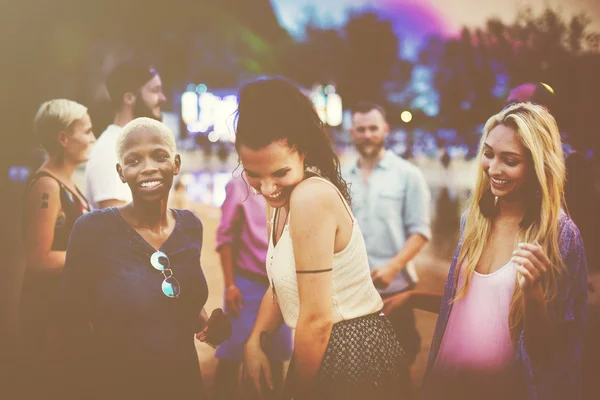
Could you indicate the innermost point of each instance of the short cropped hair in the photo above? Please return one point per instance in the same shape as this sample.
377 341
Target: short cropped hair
53 117
364 107
148 124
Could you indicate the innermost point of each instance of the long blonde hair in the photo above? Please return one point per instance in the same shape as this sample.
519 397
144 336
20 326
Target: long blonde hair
538 132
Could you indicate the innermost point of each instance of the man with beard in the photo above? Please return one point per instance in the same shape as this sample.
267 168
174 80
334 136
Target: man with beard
391 202
135 91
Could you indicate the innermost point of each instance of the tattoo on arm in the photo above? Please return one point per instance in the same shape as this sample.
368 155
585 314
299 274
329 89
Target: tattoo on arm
45 200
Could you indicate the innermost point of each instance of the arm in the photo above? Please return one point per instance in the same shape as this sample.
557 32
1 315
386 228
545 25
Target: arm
416 217
256 364
541 332
313 229
43 207
226 255
556 372
414 244
233 296
268 320
426 301
384 275
227 231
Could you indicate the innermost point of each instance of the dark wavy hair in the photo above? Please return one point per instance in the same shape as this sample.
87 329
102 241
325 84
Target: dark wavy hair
272 109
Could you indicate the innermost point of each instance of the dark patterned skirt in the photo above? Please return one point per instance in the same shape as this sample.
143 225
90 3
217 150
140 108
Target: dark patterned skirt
361 361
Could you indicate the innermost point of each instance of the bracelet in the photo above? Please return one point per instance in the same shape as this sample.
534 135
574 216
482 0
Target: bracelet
231 286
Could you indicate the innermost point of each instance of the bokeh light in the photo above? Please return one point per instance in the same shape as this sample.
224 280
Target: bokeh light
213 136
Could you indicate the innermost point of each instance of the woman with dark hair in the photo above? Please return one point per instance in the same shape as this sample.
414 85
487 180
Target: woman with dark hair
316 262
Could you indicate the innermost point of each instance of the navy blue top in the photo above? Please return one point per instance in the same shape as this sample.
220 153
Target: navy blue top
142 344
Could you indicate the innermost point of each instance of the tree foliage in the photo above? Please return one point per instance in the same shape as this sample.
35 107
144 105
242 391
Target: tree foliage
474 72
359 58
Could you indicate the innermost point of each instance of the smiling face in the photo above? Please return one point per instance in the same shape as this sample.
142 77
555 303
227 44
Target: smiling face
273 171
505 162
369 131
149 100
148 165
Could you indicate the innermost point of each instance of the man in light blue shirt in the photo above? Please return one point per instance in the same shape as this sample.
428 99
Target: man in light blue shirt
391 202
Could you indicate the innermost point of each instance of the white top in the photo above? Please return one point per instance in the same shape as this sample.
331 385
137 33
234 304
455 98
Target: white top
102 181
353 292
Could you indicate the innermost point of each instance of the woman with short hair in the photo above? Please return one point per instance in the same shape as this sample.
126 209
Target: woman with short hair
52 204
133 276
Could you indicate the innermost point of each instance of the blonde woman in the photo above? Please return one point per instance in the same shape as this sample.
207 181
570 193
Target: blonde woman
52 203
512 316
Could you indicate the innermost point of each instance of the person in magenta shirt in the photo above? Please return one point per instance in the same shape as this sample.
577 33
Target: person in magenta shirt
512 317
242 243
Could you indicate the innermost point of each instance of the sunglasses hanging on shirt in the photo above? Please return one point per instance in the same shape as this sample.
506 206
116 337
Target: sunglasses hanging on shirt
170 285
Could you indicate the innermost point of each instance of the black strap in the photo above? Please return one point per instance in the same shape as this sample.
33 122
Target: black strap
40 174
315 271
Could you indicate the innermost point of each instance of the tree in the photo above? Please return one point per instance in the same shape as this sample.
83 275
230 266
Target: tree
372 52
319 58
474 73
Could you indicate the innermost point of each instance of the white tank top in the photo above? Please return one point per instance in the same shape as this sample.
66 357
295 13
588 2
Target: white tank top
353 292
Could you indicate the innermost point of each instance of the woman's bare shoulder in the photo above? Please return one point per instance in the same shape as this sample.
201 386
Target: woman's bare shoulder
314 195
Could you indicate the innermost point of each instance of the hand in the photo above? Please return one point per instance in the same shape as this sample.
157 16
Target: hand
532 264
217 330
396 301
233 301
383 276
256 369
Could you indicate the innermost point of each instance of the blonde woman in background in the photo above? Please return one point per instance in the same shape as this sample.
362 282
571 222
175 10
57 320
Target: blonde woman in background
52 203
512 317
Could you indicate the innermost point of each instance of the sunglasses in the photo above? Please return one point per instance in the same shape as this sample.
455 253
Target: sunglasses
170 286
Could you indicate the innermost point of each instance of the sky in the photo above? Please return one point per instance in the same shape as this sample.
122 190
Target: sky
416 19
